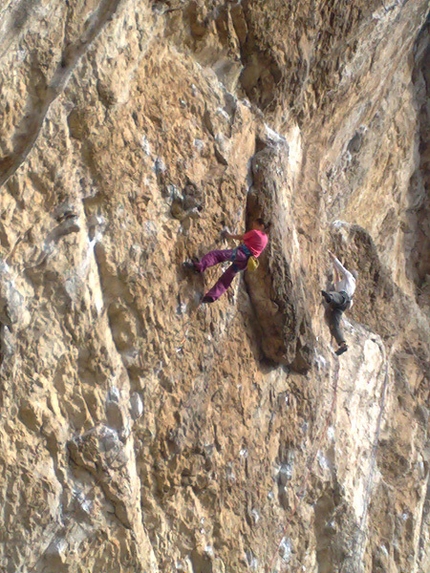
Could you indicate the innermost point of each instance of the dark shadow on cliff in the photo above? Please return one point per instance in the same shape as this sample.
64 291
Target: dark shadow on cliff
418 213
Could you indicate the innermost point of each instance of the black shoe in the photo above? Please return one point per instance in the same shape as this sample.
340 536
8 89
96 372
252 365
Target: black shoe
327 296
206 300
190 266
341 349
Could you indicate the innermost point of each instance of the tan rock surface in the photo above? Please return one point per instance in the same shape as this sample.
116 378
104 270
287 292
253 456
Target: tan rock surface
141 432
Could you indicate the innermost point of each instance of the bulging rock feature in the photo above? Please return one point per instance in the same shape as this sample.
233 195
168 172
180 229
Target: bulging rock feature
136 406
13 311
277 287
101 452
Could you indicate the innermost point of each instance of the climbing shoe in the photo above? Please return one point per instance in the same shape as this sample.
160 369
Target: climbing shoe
341 349
190 266
327 296
206 300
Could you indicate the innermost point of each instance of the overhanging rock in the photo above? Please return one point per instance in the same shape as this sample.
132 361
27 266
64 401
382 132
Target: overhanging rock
276 288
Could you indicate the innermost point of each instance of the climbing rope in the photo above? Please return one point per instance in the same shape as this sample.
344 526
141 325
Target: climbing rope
300 492
361 536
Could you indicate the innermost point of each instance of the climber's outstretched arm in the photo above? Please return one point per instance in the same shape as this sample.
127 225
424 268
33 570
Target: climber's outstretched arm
339 269
228 235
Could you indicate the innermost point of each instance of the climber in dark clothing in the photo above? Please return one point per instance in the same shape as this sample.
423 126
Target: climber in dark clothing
339 300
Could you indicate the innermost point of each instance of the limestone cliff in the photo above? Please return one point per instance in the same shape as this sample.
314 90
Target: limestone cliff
140 431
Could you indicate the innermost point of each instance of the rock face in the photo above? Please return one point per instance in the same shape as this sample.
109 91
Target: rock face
141 431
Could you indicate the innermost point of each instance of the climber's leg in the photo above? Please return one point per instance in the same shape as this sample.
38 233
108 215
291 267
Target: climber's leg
209 260
226 278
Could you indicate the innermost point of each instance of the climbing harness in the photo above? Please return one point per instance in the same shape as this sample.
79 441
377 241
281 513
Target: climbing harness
252 262
347 300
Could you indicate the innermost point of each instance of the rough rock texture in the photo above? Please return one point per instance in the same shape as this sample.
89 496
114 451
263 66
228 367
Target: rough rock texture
141 432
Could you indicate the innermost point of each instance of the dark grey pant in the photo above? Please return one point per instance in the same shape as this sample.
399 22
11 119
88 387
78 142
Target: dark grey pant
340 303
